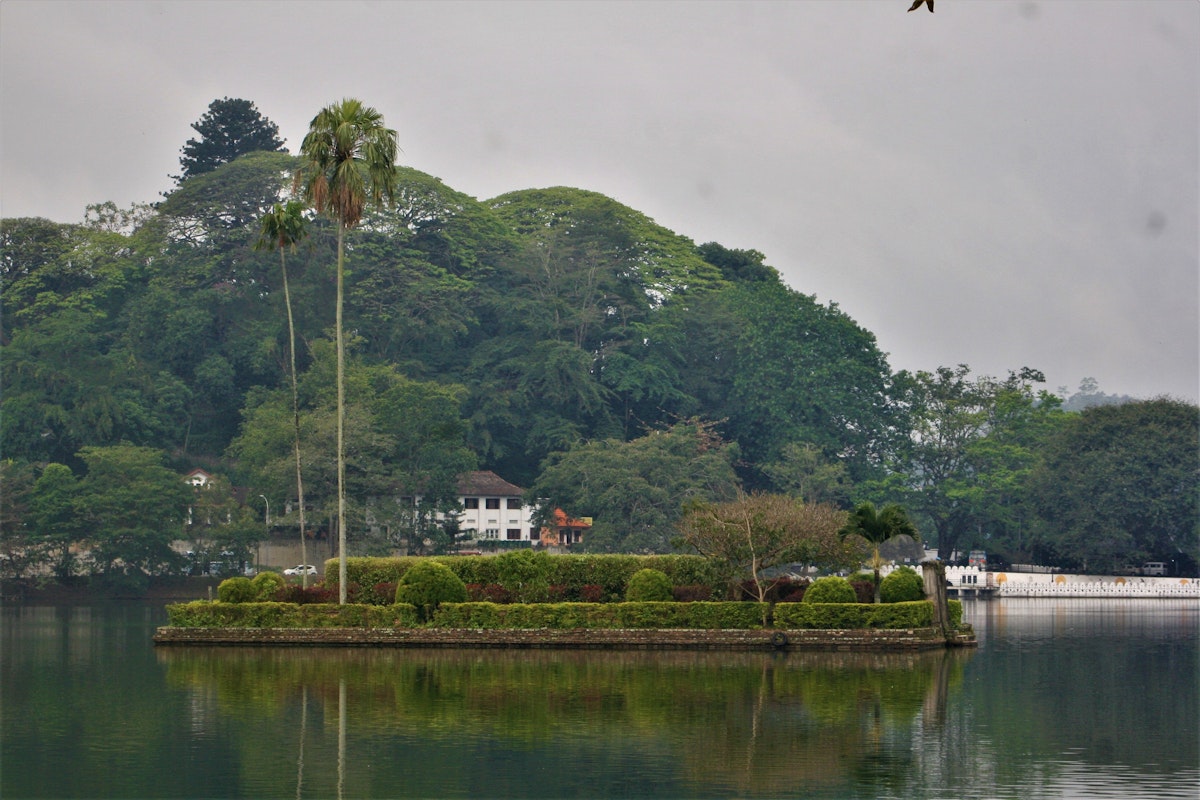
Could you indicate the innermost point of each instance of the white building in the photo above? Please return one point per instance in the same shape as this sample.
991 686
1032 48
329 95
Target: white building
494 509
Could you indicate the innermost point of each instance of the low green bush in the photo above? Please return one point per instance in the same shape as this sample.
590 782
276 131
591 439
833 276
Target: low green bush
830 589
429 584
648 586
205 614
237 590
267 584
917 614
902 585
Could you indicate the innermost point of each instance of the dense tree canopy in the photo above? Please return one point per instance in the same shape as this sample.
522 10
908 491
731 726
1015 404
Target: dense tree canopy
1119 485
555 336
635 491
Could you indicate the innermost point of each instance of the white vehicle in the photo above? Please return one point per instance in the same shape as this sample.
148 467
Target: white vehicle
1154 568
301 569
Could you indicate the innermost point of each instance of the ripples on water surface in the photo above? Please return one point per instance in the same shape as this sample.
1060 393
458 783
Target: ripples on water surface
1063 699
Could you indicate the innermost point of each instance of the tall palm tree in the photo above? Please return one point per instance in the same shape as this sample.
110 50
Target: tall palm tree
877 527
282 227
348 158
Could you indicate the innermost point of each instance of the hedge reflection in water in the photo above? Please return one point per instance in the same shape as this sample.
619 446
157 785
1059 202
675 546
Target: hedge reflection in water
756 723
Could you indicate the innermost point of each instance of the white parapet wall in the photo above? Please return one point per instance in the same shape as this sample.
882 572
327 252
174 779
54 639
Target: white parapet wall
1010 584
1045 584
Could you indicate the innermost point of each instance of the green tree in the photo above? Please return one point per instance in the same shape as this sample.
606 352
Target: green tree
55 518
970 445
221 526
404 438
134 508
759 531
231 127
635 491
19 552
218 212
282 227
778 368
876 527
1121 484
738 266
803 470
349 157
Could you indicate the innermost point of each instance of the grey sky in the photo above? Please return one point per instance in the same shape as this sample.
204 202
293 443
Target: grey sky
1001 183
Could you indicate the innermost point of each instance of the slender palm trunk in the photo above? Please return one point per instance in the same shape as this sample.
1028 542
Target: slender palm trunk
287 300
341 421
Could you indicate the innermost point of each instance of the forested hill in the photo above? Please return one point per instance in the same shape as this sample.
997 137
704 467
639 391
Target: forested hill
533 334
557 315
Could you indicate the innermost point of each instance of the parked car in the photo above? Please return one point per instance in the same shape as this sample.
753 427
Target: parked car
301 569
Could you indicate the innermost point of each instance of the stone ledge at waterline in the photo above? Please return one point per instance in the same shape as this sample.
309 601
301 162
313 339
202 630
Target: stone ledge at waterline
543 638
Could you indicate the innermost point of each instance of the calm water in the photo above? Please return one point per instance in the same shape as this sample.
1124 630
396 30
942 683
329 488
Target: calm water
1072 698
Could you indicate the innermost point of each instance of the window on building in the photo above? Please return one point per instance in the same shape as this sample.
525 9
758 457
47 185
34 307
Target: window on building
514 502
512 534
535 534
470 502
493 502
491 533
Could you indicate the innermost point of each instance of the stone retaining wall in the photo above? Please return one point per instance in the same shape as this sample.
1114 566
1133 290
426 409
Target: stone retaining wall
607 639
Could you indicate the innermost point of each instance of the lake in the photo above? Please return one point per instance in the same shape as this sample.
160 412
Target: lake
1062 699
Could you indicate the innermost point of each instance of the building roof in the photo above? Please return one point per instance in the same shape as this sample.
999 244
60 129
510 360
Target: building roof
486 482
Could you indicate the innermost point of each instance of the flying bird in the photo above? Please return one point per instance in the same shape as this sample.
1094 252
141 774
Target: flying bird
920 3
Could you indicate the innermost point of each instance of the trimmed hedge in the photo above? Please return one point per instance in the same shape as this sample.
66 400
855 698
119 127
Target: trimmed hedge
901 585
206 614
573 572
696 615
237 590
699 615
267 585
648 586
830 589
917 614
954 608
429 584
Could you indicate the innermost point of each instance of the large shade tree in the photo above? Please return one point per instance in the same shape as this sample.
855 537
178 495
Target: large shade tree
348 160
1118 485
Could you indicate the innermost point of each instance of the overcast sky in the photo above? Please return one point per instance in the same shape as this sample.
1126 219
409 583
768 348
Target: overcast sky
1001 183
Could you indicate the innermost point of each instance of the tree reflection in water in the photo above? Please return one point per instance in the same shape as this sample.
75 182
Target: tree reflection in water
742 723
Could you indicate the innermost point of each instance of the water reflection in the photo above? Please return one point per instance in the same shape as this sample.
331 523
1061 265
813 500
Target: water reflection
759 724
1062 699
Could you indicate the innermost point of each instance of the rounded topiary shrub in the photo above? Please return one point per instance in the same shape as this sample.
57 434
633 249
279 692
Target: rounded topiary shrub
830 589
902 585
428 584
648 586
266 584
237 590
